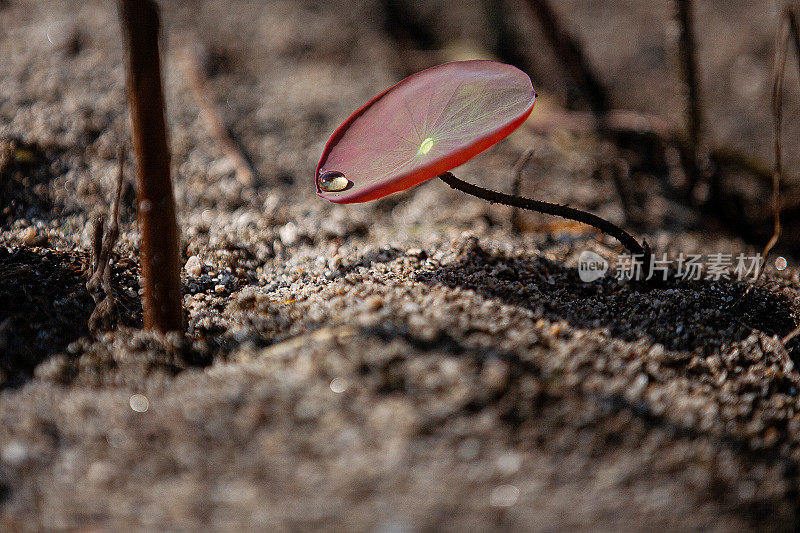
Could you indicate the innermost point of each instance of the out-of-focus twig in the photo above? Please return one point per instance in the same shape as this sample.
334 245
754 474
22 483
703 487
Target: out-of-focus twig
519 167
569 51
687 49
405 24
104 237
619 171
505 44
781 51
414 35
788 30
198 83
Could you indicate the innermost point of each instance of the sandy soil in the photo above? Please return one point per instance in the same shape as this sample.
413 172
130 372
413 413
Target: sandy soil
412 363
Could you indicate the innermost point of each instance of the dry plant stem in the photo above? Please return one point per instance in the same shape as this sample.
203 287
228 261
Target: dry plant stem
619 173
688 60
414 36
104 238
792 335
245 173
569 51
98 225
640 251
781 51
517 185
788 29
505 44
159 247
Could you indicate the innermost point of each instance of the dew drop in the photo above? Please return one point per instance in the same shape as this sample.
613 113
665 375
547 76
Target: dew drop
333 181
781 263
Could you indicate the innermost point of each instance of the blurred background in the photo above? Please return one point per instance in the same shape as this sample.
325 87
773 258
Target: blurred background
280 76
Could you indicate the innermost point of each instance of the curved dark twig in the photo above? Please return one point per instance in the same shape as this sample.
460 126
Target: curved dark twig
640 252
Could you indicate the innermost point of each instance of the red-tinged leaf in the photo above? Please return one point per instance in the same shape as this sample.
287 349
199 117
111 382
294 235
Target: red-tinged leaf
425 125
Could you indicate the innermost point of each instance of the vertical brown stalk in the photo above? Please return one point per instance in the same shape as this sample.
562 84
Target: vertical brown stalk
789 31
687 49
158 249
516 186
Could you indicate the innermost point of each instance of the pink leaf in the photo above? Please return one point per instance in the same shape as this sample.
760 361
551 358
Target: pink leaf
427 124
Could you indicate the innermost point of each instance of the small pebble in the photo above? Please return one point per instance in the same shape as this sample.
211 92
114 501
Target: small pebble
193 266
288 234
495 374
28 235
339 385
504 496
139 403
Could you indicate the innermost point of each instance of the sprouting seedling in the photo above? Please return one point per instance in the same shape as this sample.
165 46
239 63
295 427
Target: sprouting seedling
428 124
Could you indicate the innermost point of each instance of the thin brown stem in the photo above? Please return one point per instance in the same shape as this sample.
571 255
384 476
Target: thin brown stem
687 49
781 52
640 252
789 29
570 53
505 44
104 238
519 167
198 82
159 247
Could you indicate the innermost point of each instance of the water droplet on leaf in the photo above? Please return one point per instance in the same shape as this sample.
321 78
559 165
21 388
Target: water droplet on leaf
333 181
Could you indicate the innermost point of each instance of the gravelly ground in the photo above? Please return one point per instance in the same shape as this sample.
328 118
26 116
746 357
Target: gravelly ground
406 364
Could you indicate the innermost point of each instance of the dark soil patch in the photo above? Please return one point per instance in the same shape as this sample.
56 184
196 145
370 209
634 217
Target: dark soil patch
44 306
682 315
